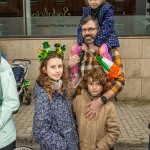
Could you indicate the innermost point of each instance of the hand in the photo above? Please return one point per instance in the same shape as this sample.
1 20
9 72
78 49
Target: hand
92 109
84 47
73 60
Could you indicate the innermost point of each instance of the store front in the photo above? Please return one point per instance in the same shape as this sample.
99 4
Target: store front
26 24
59 18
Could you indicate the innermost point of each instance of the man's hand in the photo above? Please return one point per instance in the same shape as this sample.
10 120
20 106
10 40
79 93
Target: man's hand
92 109
73 60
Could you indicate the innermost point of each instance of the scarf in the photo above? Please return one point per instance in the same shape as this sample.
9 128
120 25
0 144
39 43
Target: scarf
57 84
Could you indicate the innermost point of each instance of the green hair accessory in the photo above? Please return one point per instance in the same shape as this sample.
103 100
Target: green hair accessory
46 51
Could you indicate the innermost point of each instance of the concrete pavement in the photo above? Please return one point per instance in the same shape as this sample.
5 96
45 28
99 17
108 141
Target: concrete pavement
134 118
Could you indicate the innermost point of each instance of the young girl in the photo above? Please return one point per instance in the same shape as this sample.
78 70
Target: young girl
53 126
103 132
106 38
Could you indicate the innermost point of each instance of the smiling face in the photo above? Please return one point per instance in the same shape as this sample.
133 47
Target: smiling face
94 88
89 31
54 68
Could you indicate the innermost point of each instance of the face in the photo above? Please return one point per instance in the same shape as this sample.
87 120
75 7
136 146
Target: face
94 3
94 88
89 32
54 68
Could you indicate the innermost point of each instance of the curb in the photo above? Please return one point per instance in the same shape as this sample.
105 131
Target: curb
132 142
136 142
27 140
25 137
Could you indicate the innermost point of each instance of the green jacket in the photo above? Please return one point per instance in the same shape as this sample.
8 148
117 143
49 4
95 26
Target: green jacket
9 102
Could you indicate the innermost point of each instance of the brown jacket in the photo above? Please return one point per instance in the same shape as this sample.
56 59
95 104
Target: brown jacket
100 134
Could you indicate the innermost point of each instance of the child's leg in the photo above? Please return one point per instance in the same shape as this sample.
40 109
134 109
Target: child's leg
103 50
76 49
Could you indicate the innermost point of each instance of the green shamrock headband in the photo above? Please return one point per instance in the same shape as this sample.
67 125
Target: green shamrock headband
46 51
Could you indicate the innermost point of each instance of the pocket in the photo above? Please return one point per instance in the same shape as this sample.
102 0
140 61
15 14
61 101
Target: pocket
9 127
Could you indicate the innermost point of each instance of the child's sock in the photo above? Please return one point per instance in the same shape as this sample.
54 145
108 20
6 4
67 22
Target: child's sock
76 49
103 50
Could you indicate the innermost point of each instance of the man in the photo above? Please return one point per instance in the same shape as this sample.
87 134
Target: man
90 28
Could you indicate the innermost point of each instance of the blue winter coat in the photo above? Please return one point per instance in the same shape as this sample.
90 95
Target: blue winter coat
53 126
107 32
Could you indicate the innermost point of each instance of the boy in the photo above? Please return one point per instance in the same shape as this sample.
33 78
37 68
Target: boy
103 132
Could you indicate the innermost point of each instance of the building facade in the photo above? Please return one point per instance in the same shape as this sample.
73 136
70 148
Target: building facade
25 24
57 18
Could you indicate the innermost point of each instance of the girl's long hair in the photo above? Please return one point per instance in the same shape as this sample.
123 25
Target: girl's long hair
45 80
97 74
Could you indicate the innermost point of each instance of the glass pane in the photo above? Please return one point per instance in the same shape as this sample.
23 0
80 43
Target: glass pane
54 26
60 1
33 1
3 2
132 25
8 26
11 18
55 18
119 0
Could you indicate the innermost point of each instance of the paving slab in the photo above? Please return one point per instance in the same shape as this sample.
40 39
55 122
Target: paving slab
133 117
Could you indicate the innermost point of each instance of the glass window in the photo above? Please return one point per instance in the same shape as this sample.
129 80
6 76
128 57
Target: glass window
60 1
119 0
33 1
56 18
2 2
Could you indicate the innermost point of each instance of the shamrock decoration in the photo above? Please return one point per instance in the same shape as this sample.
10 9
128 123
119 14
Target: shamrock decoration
46 51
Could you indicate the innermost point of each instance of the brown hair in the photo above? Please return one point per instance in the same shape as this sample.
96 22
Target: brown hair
44 78
97 74
87 3
88 18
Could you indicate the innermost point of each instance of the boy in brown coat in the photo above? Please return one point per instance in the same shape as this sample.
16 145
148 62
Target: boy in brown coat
102 133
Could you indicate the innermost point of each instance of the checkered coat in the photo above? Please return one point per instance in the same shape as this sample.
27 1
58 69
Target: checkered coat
88 62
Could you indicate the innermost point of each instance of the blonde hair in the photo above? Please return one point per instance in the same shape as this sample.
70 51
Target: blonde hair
87 3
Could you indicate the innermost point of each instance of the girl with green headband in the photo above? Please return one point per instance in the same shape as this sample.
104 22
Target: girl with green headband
54 125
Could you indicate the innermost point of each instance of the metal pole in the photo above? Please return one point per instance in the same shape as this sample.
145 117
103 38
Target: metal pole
27 17
24 18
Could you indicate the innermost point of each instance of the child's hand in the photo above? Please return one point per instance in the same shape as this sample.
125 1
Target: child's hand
84 47
73 60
